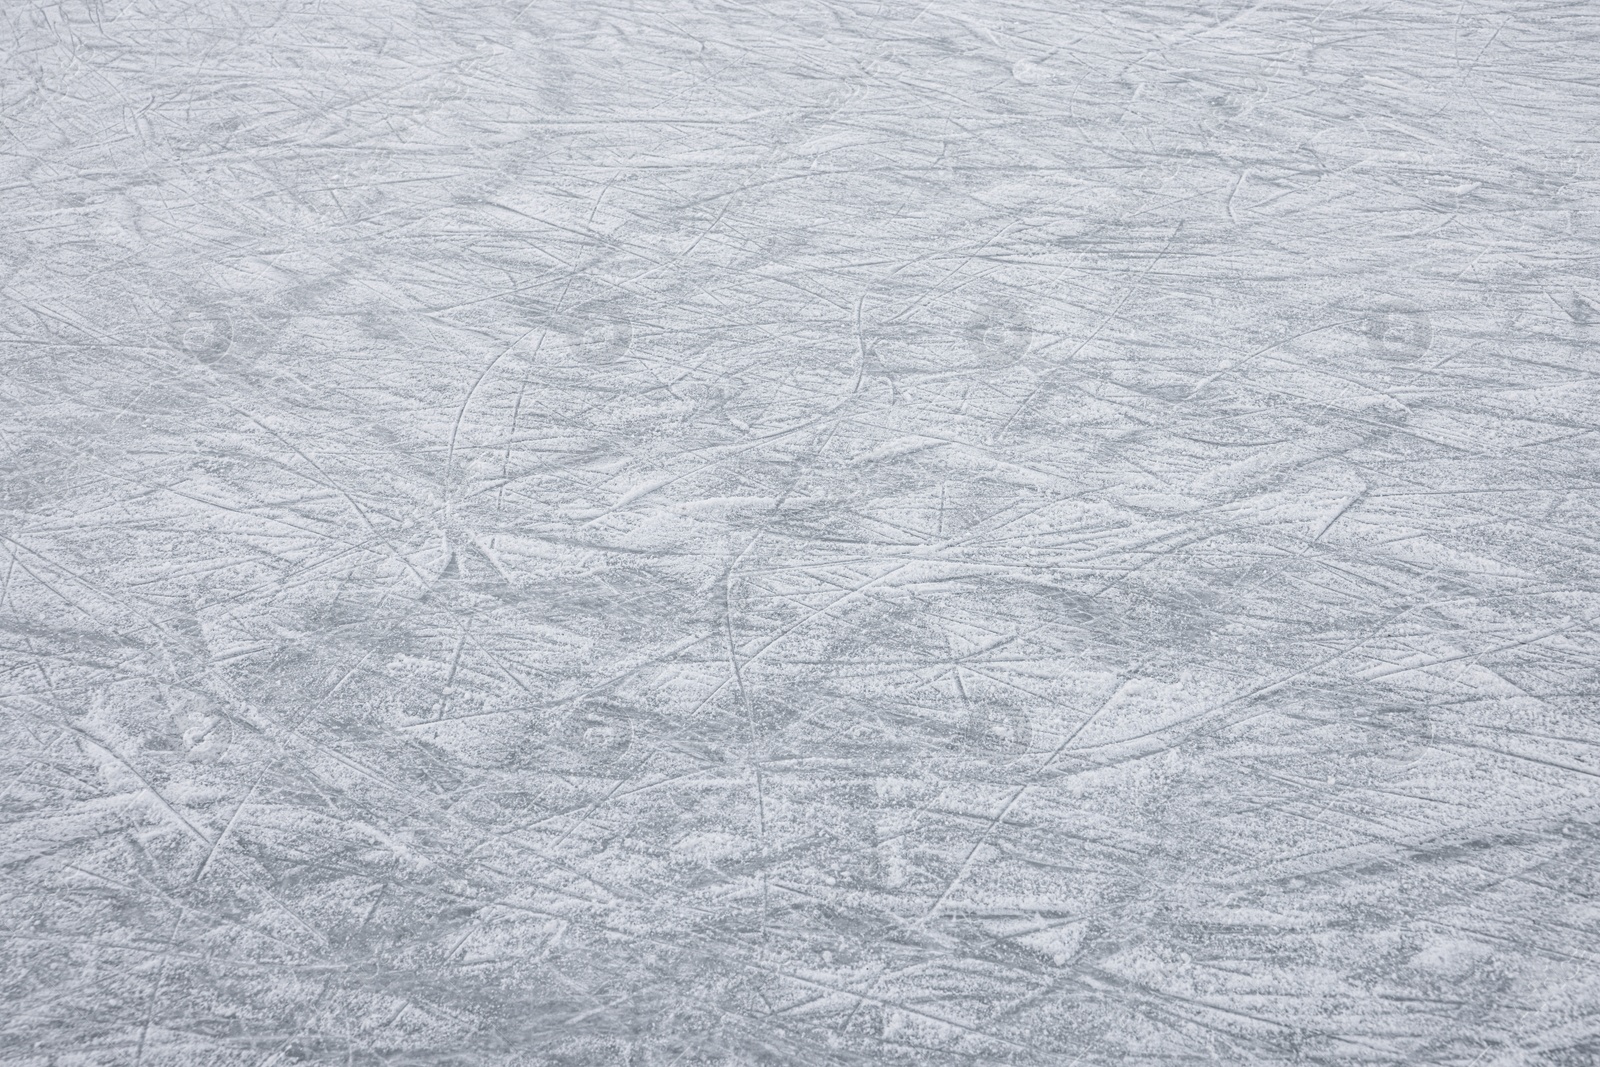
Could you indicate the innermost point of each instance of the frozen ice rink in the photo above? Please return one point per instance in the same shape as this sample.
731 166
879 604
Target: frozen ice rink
809 532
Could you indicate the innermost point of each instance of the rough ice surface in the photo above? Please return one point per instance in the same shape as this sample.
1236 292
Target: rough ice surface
586 532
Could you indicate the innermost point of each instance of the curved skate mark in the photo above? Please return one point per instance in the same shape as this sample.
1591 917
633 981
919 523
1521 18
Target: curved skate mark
602 729
1033 71
1397 330
1000 343
207 338
455 428
461 412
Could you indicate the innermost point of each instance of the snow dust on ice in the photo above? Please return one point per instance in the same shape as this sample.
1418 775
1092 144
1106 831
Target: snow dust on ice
596 532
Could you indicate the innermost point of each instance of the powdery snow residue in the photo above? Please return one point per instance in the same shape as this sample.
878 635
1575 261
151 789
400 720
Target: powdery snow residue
680 532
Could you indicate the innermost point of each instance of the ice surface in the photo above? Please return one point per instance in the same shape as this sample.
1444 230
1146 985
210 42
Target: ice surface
690 532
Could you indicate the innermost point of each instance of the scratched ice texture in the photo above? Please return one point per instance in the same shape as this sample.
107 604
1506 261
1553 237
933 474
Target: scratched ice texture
588 532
